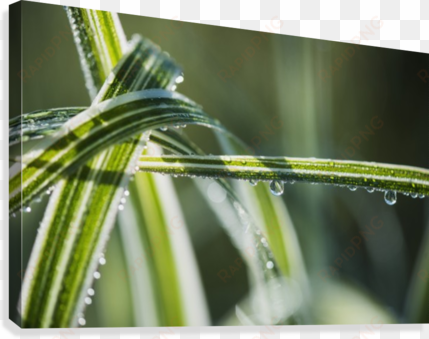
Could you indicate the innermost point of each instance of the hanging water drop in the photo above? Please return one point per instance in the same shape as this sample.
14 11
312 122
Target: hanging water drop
121 207
123 200
414 195
253 182
270 265
91 292
81 321
127 193
27 209
421 196
179 79
370 189
276 187
97 275
88 300
390 197
164 128
102 261
352 188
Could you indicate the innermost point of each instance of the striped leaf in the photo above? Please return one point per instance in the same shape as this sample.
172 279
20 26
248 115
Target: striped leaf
93 131
353 174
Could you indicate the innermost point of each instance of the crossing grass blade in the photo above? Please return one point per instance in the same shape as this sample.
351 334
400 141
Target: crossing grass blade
369 175
94 130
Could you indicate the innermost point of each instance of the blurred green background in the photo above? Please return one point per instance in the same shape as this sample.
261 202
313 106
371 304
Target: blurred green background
279 90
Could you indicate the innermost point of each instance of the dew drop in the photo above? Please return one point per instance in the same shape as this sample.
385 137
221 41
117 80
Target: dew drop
390 197
102 261
352 188
164 128
421 196
88 300
123 200
276 187
127 193
173 88
97 275
91 292
414 195
370 189
270 265
253 182
81 321
121 207
179 79
27 209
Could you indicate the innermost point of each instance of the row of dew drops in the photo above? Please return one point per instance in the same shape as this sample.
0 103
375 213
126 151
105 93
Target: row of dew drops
90 292
390 197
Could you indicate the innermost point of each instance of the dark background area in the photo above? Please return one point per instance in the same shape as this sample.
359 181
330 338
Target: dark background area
282 84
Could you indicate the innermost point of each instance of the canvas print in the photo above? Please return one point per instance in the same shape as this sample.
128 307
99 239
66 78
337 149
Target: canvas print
165 173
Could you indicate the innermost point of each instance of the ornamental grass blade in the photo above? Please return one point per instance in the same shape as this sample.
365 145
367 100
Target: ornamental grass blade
100 42
94 130
372 176
162 261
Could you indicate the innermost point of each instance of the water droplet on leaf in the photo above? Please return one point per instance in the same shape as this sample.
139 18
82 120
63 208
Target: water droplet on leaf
276 187
253 182
390 197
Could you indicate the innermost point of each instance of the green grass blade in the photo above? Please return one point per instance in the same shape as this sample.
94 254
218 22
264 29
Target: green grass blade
94 130
369 175
100 41
38 124
166 256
